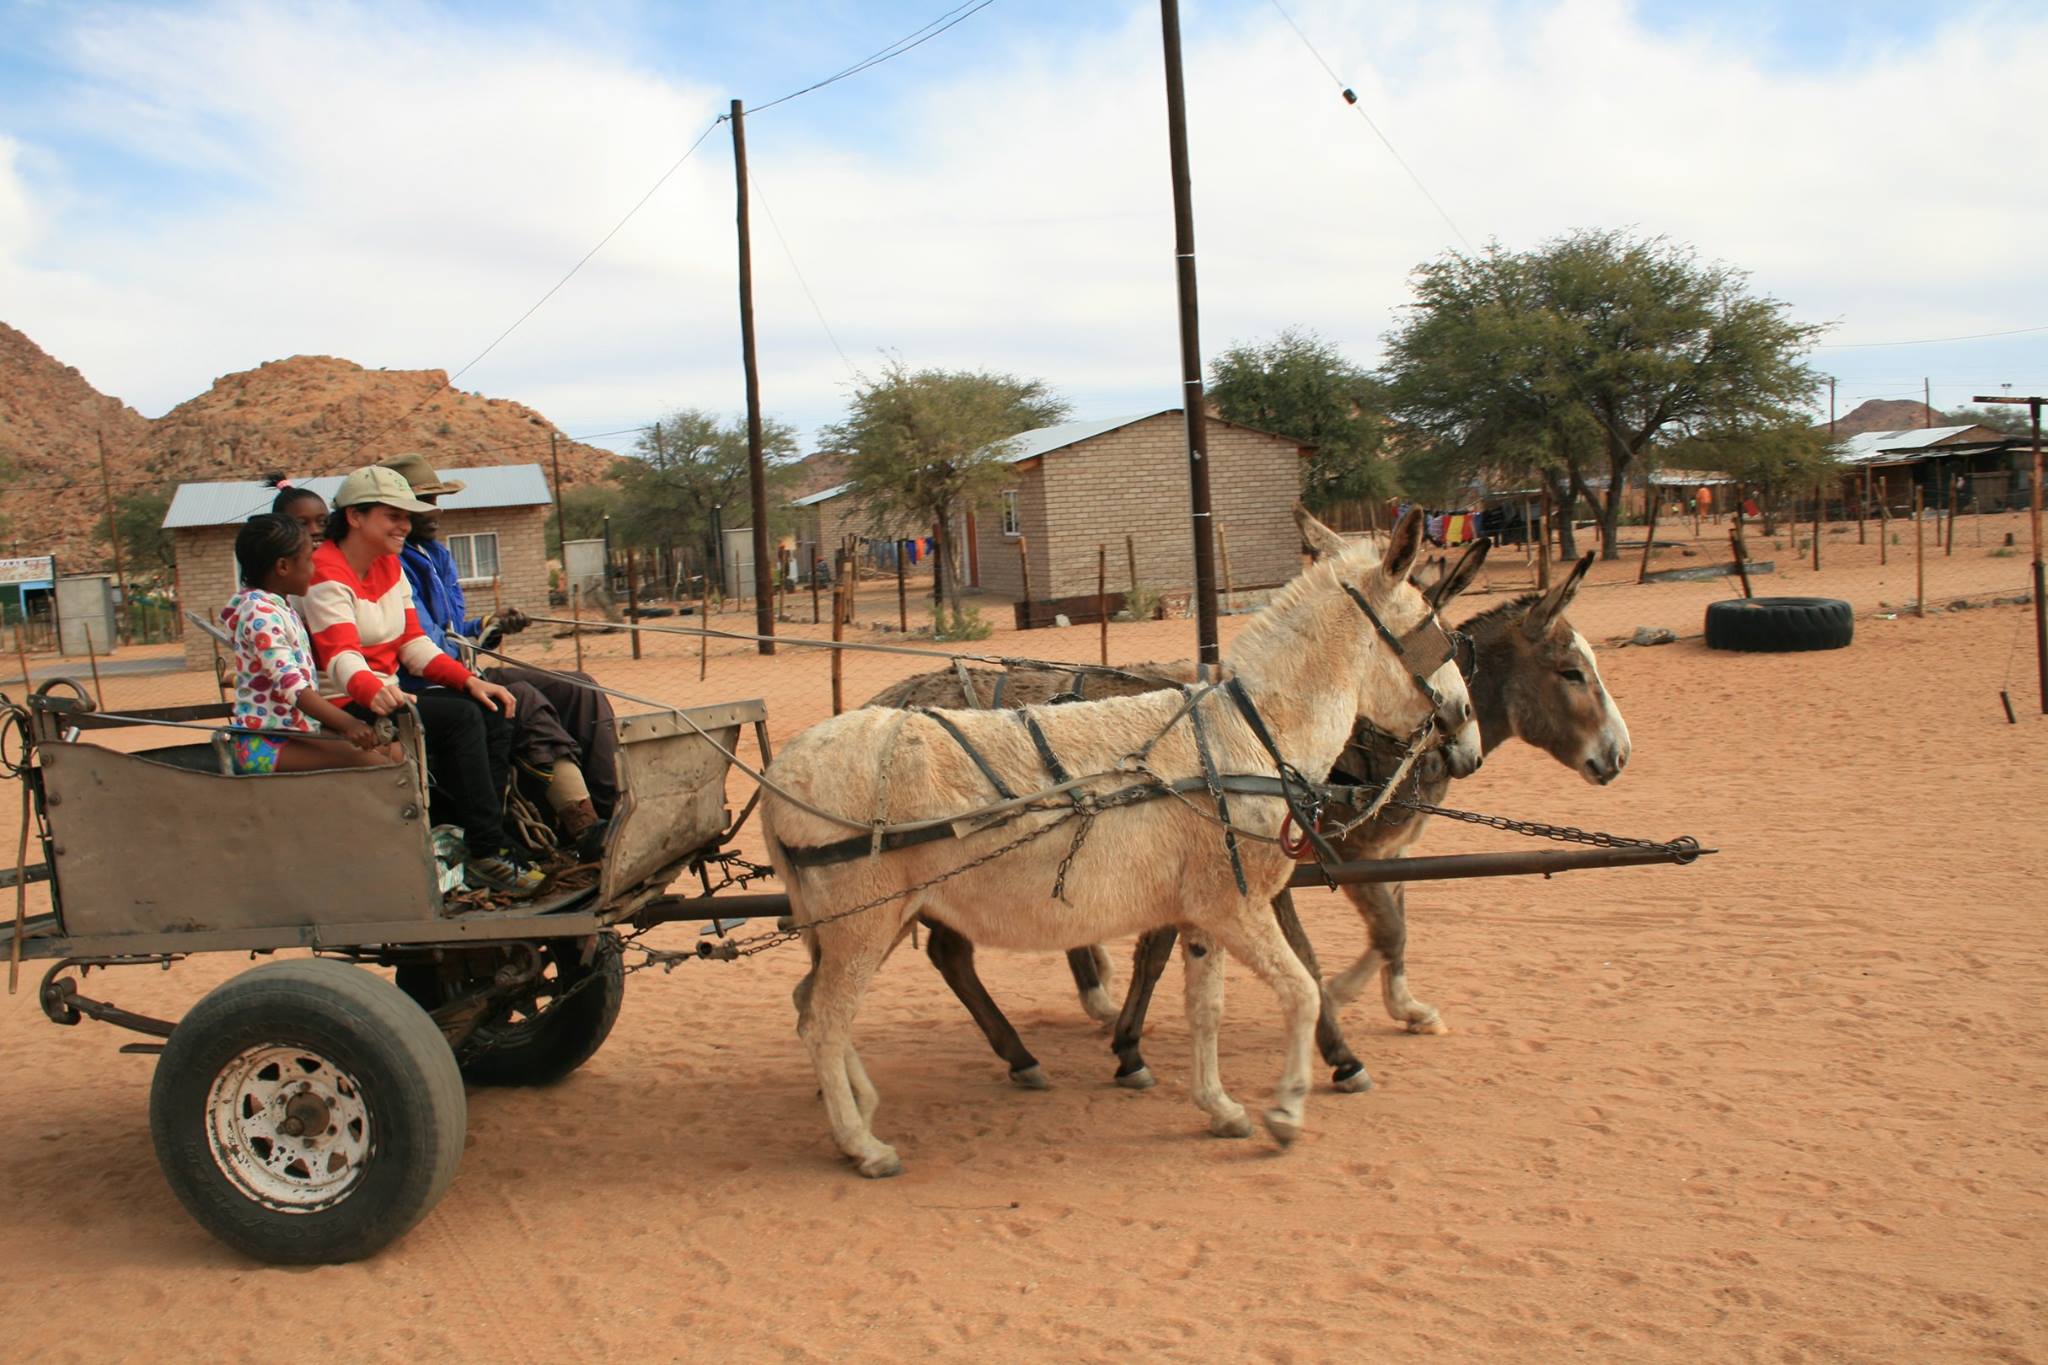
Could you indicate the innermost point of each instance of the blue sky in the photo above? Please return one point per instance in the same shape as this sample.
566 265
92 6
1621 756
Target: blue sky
189 190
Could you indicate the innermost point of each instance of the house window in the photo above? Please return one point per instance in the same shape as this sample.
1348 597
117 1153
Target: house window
476 556
1013 517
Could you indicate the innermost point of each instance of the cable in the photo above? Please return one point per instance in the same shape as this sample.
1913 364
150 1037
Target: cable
1351 98
798 271
639 204
916 38
1927 341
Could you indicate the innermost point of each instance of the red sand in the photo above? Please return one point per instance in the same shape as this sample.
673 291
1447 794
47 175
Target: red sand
1785 1104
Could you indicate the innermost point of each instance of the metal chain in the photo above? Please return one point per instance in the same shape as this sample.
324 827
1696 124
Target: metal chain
1684 846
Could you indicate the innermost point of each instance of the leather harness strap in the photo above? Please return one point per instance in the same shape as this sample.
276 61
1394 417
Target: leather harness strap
995 779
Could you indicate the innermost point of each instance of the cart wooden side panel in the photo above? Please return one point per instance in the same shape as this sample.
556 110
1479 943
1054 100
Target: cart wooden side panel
672 781
140 846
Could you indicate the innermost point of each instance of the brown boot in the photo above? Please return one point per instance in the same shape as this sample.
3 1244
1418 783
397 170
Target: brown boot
585 830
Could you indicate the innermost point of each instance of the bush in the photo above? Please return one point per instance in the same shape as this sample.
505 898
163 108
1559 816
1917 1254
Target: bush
965 623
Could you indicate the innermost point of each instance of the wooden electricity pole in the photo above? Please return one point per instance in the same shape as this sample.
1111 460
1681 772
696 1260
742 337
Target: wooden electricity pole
113 539
757 470
2034 517
1192 403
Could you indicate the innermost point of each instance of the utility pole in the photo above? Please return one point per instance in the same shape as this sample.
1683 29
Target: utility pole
1190 338
561 526
114 539
1927 399
757 471
2034 515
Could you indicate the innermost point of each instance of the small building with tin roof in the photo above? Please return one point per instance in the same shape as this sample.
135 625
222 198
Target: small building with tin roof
496 528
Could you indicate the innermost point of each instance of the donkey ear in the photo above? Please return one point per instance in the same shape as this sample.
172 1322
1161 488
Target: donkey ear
1545 613
1318 537
1404 543
1461 576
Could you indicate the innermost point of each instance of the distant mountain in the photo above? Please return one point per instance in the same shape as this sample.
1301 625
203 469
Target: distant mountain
302 416
1888 414
50 421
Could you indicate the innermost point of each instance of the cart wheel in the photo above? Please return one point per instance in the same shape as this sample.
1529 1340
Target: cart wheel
307 1112
538 1042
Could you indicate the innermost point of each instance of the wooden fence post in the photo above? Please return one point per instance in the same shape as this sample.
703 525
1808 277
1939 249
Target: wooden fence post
1741 556
1919 555
1543 545
704 627
576 620
817 563
1024 565
1819 503
838 655
1884 522
1649 536
902 593
1102 595
1223 547
1131 558
633 598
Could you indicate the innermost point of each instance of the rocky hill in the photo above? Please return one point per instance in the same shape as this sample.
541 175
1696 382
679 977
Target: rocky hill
1887 414
302 416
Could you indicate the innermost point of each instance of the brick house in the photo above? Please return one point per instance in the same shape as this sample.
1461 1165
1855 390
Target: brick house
1080 485
495 527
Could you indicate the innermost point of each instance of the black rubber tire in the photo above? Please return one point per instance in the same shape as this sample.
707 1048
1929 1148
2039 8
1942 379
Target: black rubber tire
1780 625
404 1073
522 1054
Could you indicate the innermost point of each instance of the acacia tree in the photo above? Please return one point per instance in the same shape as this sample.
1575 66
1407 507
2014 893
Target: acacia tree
689 463
1299 385
1576 359
922 445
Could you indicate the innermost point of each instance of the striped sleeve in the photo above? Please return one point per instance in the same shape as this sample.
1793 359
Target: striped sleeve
337 647
418 652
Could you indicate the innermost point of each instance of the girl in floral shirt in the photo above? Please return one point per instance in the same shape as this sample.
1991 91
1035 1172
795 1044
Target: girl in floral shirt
277 697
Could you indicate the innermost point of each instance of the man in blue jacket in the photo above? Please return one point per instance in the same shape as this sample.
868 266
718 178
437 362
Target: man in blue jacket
563 734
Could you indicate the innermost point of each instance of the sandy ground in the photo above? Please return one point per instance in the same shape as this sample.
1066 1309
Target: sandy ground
1787 1104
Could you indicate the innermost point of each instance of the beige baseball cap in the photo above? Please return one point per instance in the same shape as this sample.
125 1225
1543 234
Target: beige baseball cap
373 484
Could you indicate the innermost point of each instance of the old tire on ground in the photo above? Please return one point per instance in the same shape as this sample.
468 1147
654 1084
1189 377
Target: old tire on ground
306 1112
513 1049
1780 625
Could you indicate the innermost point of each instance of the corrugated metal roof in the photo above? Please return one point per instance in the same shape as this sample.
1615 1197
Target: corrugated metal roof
1870 447
822 495
1031 444
225 504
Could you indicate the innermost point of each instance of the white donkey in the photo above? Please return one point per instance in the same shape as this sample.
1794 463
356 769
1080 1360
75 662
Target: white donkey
1314 662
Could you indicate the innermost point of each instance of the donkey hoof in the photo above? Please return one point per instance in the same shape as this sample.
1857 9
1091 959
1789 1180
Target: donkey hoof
1097 1005
1236 1126
1141 1079
882 1165
1030 1078
1284 1127
1432 1024
1352 1080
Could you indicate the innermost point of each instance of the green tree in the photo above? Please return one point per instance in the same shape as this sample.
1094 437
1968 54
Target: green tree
148 549
584 508
1576 360
687 464
924 444
1301 386
2011 418
1782 458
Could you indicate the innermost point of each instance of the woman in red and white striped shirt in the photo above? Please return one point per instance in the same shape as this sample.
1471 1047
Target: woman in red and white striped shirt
359 612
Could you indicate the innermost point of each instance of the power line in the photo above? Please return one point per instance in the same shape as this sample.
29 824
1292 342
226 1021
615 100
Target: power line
584 260
798 271
916 38
1928 341
1351 98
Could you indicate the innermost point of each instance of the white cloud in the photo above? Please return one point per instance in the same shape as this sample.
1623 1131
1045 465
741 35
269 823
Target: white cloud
393 186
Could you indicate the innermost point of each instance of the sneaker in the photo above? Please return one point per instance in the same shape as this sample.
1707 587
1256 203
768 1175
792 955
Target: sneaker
507 872
585 830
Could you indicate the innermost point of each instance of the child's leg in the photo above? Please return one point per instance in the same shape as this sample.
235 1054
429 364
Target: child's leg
313 755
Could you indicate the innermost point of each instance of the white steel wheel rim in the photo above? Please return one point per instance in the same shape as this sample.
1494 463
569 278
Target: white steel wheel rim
288 1128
